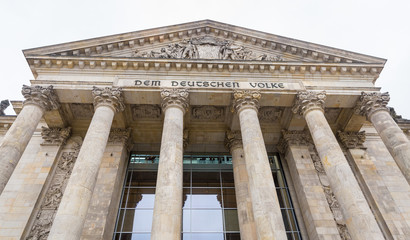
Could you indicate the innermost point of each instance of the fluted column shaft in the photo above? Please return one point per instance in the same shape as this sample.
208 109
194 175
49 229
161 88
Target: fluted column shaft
360 221
266 209
70 217
373 106
38 100
243 199
167 218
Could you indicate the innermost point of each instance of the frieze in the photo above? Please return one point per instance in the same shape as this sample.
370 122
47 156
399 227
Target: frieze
146 111
269 114
208 113
206 47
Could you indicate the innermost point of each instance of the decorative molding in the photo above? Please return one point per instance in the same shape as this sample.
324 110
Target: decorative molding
55 136
82 110
352 139
269 114
51 201
146 111
206 47
233 139
398 118
330 197
185 138
111 97
292 138
309 100
208 113
119 136
159 64
371 102
43 97
246 99
3 105
175 97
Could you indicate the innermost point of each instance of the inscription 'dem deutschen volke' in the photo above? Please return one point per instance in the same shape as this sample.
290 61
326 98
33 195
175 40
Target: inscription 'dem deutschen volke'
210 84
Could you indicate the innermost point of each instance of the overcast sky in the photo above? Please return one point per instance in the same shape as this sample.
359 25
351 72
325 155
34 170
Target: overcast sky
377 28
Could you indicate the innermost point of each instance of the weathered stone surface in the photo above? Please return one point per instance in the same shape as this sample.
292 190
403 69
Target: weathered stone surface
167 218
374 106
233 142
358 216
266 210
318 220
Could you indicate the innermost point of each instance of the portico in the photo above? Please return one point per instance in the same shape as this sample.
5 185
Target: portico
162 119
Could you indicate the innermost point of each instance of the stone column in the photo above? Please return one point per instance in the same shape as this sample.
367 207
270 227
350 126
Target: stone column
266 210
70 217
233 142
38 100
373 106
360 221
167 219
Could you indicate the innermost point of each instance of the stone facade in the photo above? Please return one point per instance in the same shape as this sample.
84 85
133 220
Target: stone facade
204 87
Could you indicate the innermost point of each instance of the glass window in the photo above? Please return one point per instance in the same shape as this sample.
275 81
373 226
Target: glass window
209 200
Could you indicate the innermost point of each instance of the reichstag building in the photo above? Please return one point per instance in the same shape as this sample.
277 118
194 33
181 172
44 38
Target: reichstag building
203 131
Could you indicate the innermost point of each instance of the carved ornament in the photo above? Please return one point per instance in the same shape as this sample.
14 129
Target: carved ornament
55 136
54 194
208 113
246 99
43 97
269 114
309 100
3 105
119 136
292 138
352 139
371 102
206 47
175 97
111 97
146 111
185 138
233 139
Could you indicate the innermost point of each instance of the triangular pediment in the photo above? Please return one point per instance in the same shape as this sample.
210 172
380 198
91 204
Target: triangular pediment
203 40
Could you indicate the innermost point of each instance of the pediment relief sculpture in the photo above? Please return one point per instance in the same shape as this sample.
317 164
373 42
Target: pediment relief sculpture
206 47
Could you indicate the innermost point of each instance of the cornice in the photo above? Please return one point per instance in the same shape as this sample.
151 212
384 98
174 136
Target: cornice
157 64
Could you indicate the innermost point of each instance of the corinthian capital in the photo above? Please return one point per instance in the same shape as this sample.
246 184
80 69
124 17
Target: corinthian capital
309 100
246 99
292 138
111 97
352 139
175 97
55 136
372 102
43 97
233 139
119 135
